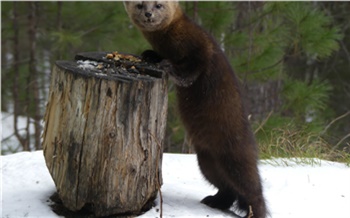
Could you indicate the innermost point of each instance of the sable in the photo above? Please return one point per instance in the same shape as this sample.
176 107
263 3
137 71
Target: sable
209 101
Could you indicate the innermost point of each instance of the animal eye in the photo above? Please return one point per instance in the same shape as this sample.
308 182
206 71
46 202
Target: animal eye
159 6
139 6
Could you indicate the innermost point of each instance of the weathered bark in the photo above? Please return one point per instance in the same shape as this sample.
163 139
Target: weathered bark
103 138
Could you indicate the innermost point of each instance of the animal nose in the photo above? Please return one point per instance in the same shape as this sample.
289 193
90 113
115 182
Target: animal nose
148 14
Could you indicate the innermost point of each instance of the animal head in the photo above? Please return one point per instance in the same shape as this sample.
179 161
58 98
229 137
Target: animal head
151 15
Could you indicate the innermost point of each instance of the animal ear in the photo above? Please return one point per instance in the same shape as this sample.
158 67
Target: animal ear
175 3
126 3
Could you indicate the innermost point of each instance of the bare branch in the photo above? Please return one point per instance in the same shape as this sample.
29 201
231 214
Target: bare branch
335 120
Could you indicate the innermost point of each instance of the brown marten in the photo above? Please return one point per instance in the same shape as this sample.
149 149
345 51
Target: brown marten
209 102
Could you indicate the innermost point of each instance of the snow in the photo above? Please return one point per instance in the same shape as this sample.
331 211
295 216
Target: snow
26 186
87 64
291 190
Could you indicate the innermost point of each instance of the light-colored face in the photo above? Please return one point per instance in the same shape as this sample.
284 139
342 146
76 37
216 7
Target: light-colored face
151 15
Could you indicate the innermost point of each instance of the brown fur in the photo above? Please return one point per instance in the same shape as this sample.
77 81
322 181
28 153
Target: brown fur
209 101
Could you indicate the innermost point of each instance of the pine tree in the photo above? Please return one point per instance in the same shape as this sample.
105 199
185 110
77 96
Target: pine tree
292 57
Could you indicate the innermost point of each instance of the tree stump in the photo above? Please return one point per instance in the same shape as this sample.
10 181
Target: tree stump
104 131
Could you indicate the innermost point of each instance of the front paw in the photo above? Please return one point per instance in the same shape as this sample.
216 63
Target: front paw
166 66
151 56
176 76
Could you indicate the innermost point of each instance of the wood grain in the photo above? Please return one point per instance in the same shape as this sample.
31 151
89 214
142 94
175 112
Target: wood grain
100 139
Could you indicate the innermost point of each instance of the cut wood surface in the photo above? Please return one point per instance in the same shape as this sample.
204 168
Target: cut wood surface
104 133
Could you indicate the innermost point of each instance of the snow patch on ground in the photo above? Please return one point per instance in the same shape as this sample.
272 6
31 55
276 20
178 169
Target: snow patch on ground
291 191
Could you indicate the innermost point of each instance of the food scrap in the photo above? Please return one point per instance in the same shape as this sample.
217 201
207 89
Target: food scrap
117 56
119 65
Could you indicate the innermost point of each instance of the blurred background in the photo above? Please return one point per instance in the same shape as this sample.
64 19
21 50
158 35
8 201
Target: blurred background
293 59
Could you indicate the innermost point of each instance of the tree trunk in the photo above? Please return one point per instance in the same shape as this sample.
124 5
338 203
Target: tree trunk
263 98
24 140
33 85
103 136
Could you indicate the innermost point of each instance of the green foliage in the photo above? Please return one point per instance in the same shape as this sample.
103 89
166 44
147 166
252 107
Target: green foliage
300 134
64 40
262 61
258 47
280 27
290 42
307 101
216 16
310 30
